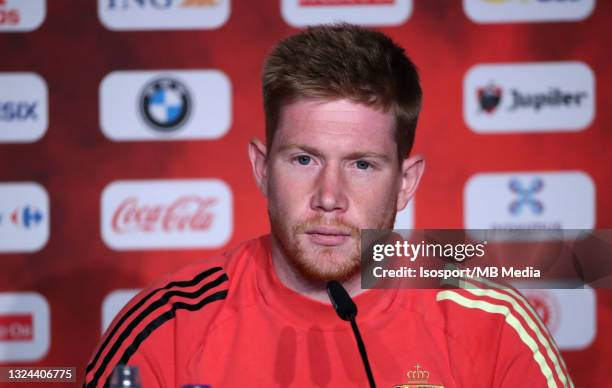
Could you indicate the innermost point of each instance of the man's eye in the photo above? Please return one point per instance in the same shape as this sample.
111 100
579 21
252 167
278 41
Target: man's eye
362 165
304 160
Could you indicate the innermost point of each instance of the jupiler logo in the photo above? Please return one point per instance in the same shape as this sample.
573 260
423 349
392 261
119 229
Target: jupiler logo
490 97
553 98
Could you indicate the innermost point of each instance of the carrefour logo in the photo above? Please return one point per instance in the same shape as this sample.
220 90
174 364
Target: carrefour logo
24 217
529 97
163 14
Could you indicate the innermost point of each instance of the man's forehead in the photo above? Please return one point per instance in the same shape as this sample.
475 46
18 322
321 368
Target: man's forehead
337 117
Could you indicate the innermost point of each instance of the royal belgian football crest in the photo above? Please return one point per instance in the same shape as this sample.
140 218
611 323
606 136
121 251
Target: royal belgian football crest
418 377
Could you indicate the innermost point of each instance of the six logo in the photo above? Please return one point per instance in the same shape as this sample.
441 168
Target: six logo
179 214
537 200
529 97
23 107
21 16
163 14
24 327
300 13
502 11
24 217
173 105
558 310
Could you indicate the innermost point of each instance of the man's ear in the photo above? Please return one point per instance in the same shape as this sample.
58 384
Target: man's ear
412 169
258 157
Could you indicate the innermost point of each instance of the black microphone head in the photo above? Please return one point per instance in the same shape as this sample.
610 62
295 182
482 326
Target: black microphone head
342 302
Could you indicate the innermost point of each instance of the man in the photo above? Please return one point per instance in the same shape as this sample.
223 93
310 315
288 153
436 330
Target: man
341 105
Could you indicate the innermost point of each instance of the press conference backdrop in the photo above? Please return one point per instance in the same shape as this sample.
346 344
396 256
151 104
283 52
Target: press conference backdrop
124 127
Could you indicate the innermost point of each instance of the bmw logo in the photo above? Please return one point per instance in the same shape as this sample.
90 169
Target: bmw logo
165 104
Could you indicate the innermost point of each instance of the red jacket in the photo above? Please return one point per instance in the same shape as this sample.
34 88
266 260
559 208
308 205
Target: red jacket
230 322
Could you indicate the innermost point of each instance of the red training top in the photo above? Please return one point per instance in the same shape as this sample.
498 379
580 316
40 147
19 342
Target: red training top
230 322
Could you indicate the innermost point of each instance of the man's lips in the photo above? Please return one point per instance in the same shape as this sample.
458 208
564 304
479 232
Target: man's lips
328 236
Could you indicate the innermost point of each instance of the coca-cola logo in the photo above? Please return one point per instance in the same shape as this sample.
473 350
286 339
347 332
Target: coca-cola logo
16 328
187 213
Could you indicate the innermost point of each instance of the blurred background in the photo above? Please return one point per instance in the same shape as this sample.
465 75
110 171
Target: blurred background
124 127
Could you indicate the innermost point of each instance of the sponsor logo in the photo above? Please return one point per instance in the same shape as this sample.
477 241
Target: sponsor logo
17 327
300 13
18 15
569 314
24 217
185 213
526 196
165 104
23 107
418 377
18 111
501 11
172 105
529 97
489 97
537 200
113 303
166 214
24 327
163 14
546 306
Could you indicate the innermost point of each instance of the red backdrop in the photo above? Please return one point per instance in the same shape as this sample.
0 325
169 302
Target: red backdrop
74 161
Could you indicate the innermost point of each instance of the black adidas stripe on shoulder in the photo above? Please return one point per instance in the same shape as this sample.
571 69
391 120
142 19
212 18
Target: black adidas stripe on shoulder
159 303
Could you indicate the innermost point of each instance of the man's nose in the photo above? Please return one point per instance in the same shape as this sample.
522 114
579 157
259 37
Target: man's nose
330 190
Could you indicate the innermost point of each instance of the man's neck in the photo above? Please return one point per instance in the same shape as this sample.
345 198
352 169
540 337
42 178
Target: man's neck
294 280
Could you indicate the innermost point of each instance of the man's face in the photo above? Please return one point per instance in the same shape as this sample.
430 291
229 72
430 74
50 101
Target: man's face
332 170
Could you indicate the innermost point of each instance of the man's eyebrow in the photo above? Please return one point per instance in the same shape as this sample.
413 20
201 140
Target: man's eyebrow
367 154
302 147
351 156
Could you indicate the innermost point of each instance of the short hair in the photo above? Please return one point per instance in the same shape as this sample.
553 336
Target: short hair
343 61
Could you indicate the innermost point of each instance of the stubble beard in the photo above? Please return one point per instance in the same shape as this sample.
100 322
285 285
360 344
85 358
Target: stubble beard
322 263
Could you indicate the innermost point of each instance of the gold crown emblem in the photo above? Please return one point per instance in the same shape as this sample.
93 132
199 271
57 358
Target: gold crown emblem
417 378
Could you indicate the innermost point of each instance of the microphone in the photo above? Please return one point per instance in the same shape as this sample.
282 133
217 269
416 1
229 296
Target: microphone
347 311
